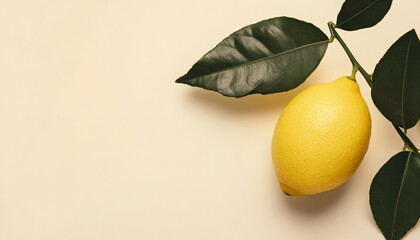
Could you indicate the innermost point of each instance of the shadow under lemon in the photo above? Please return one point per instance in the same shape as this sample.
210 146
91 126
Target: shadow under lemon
315 204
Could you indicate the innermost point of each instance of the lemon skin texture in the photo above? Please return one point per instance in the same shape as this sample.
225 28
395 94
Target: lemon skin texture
321 137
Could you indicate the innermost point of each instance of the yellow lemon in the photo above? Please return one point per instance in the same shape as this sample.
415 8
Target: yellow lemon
321 137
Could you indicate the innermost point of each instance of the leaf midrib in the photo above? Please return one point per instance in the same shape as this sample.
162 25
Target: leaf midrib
399 195
357 14
262 59
403 83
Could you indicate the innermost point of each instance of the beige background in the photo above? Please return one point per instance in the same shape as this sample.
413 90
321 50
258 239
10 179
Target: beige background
98 142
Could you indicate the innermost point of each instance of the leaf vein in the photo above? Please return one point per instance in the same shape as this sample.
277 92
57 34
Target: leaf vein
264 59
357 14
403 83
399 195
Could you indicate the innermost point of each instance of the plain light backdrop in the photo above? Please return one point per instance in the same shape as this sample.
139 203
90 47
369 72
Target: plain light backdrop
98 142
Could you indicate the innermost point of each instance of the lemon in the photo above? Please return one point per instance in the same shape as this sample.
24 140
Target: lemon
321 137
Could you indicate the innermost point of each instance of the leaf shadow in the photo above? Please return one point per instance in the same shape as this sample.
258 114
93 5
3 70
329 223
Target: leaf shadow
255 103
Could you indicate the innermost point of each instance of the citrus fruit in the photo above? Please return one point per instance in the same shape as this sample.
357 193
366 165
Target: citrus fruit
321 137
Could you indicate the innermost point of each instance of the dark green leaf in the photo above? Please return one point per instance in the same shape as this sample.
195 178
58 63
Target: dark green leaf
271 56
396 82
395 195
358 14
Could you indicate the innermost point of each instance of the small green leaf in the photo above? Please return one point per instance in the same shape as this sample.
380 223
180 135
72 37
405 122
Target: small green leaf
395 195
358 14
274 55
396 82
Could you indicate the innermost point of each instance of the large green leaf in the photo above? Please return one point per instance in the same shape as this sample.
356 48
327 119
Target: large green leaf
274 55
358 14
395 195
396 82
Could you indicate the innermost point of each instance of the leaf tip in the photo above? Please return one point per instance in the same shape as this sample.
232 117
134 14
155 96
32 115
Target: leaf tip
182 79
413 32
